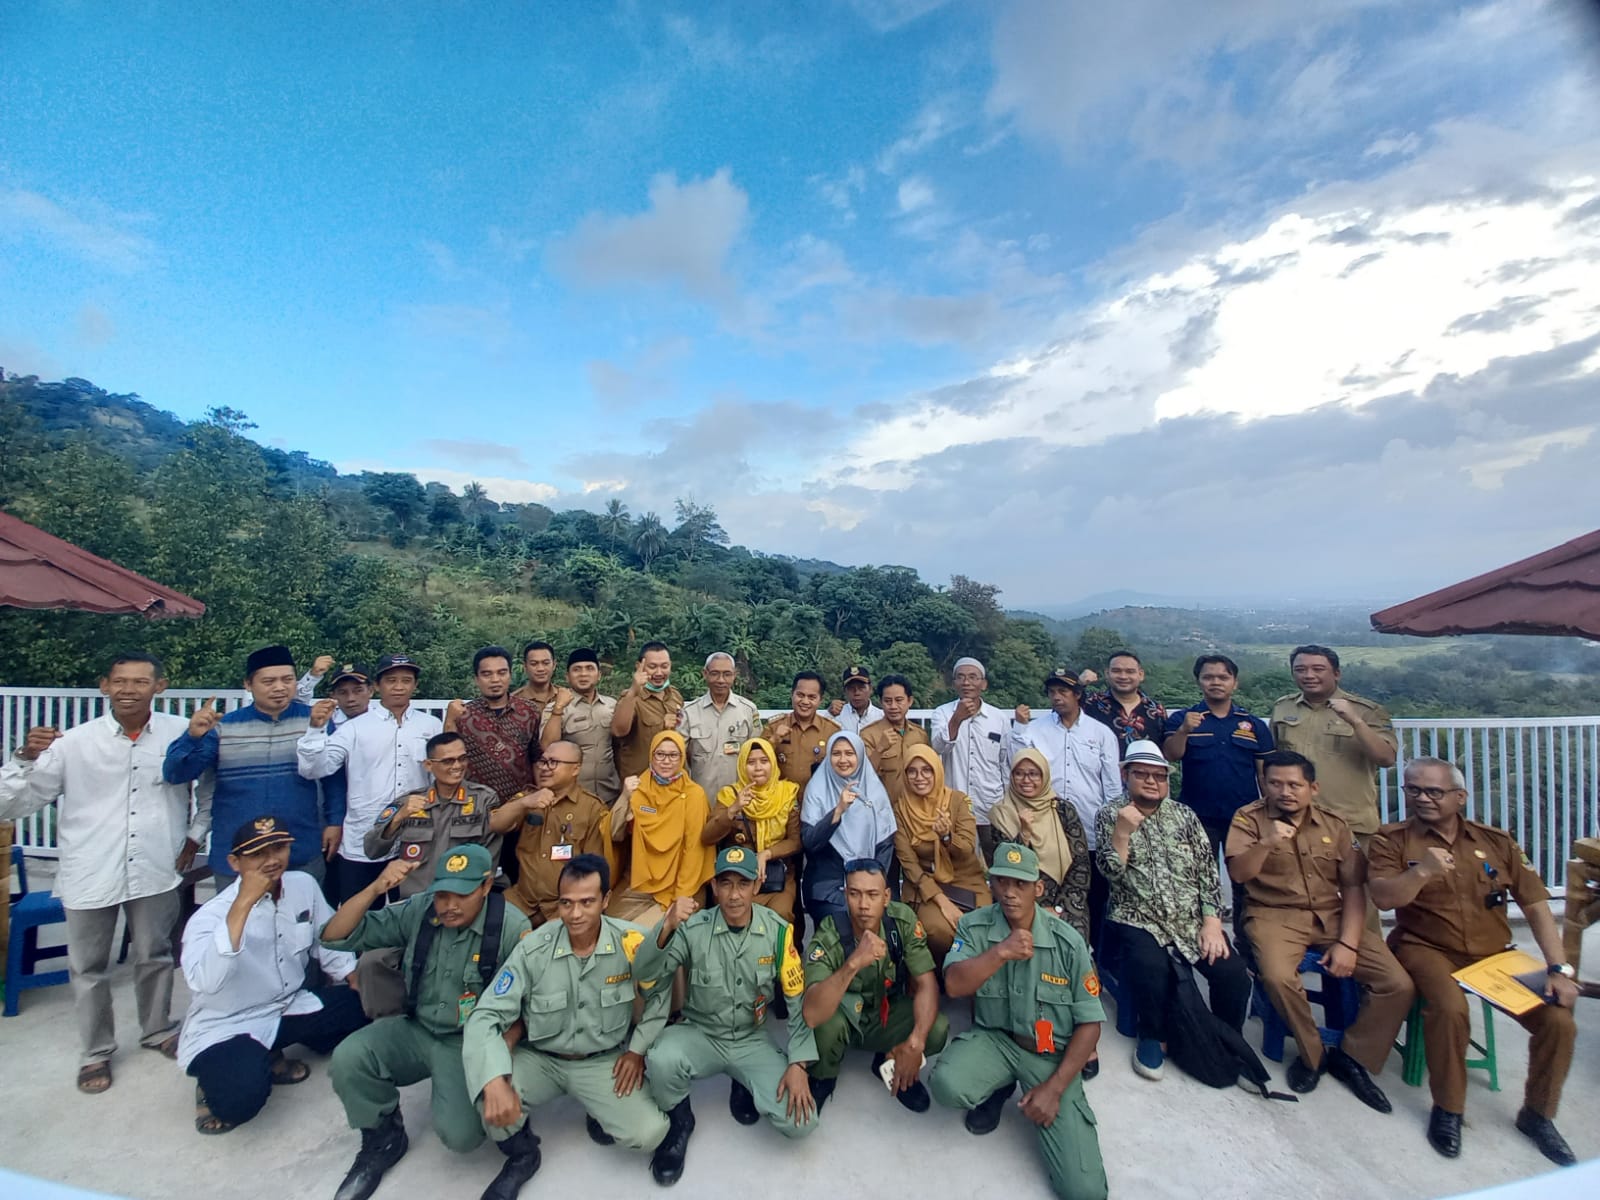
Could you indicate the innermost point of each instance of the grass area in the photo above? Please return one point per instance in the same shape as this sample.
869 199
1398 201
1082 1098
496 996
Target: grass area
1369 656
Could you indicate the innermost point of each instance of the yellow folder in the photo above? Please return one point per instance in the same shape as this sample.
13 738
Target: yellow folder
1496 980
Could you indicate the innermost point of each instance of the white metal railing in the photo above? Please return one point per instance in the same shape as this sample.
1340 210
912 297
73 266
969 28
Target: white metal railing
1538 777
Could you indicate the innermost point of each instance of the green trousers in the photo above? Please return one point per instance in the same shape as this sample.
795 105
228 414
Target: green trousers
371 1066
982 1061
634 1120
685 1052
836 1035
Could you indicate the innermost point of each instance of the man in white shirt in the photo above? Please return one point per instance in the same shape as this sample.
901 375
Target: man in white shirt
856 711
716 725
1085 765
383 751
970 736
125 836
245 955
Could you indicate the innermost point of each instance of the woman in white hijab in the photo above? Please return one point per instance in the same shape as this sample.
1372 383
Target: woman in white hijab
846 815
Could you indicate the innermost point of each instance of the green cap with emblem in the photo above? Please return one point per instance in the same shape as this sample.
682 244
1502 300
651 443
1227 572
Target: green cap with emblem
1015 862
737 860
464 870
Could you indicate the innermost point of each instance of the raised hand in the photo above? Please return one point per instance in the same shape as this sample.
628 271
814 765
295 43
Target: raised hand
1191 721
322 665
38 741
1130 817
321 711
868 950
1023 714
453 713
1436 860
1346 710
640 677
630 785
836 708
1017 947
396 870
206 717
415 805
680 911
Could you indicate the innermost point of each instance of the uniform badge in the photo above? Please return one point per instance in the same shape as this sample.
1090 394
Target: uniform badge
386 814
1480 854
1056 979
736 855
503 982
469 807
816 954
266 825
456 862
918 932
1091 984
956 945
631 941
1013 856
412 851
1327 841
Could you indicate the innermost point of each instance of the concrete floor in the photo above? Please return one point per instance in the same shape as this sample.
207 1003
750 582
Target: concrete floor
1169 1139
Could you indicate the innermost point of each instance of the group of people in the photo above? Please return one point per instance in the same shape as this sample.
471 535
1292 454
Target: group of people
552 891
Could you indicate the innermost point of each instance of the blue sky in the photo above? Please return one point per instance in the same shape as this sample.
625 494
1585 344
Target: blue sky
1065 296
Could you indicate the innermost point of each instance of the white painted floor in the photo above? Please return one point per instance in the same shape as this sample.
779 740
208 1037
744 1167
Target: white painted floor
1169 1139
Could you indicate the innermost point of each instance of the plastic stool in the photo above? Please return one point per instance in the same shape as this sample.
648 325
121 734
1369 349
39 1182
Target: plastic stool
30 912
1122 997
1340 1000
1414 1054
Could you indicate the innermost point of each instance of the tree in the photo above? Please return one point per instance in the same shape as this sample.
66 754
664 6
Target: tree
476 498
444 510
697 527
615 521
649 539
1095 646
398 493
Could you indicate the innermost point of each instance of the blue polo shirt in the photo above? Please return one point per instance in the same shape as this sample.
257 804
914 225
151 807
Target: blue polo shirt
1219 761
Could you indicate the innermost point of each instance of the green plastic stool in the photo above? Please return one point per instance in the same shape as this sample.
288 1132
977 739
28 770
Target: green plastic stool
1414 1056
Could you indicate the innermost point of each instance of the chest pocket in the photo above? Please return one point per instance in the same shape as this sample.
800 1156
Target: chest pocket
616 1007
297 936
1055 1002
711 988
544 1013
1245 739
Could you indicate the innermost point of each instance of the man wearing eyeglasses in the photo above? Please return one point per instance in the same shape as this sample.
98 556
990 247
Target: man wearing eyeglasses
1447 879
560 820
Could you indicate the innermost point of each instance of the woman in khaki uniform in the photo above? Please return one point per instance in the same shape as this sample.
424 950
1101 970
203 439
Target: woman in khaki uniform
761 811
936 841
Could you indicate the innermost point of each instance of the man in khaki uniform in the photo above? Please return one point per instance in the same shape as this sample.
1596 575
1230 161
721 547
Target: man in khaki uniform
1447 879
579 713
889 741
1302 873
561 821
716 725
1348 737
645 709
539 667
801 735
571 984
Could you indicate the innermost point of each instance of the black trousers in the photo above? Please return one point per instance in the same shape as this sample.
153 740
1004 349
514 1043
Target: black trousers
236 1075
1099 897
1146 971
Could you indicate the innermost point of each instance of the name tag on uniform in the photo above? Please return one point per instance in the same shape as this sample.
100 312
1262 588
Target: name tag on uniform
303 918
646 808
730 747
560 853
1044 1037
994 737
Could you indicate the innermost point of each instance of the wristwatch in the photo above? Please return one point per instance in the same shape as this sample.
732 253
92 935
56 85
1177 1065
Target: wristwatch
1566 969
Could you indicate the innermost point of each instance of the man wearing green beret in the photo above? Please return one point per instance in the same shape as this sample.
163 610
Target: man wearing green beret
1036 1021
442 933
570 983
737 956
873 985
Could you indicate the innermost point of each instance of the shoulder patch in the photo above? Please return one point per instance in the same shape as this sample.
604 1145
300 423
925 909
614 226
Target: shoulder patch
1091 984
631 941
918 931
816 953
956 945
386 814
1243 821
503 981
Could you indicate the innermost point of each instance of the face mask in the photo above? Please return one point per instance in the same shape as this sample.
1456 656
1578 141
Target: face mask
656 687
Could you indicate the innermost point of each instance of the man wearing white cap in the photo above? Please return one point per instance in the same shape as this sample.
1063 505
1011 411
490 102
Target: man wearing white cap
970 736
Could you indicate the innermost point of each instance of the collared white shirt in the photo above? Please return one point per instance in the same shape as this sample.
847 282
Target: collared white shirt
1085 765
383 758
715 737
853 722
119 826
249 990
974 762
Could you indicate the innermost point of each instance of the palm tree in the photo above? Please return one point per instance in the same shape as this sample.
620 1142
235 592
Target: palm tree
615 520
475 494
649 539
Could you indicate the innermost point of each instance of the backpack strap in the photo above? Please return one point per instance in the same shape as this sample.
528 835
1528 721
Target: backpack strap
489 949
421 947
897 954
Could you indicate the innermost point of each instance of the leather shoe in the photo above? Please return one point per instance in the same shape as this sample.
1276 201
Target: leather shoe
1541 1130
1302 1078
986 1117
381 1148
915 1098
742 1104
597 1133
666 1164
522 1163
1354 1076
1090 1070
1444 1132
821 1089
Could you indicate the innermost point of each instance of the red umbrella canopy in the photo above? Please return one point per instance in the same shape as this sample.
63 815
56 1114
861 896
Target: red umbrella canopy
1555 593
40 570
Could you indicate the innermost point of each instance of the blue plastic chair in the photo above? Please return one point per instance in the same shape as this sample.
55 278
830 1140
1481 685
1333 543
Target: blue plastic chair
1340 1000
30 912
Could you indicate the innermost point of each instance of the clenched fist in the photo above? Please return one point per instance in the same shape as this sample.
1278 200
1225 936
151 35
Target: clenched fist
39 739
320 712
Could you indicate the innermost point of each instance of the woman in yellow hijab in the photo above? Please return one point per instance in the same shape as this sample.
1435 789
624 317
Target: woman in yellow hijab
761 811
1032 813
936 841
666 810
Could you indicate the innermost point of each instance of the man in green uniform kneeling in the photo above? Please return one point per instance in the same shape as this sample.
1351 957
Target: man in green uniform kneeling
876 990
454 937
737 956
1036 1020
571 983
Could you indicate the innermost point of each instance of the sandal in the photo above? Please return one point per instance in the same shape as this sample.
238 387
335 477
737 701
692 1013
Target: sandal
286 1071
94 1078
167 1049
204 1121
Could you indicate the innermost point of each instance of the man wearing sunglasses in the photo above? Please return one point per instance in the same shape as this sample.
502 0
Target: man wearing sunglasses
1447 879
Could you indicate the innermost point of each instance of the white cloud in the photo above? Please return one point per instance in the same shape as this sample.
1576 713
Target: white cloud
487 325
90 231
500 488
682 240
914 194
888 15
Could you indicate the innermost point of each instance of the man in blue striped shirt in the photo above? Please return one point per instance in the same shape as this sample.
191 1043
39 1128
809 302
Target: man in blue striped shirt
245 760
